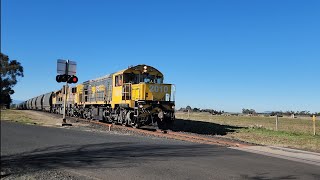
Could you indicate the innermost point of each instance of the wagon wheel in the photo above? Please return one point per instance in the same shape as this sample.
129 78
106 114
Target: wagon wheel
123 117
115 120
71 112
136 124
129 116
89 115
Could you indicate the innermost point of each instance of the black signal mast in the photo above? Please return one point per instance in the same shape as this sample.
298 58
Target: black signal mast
66 75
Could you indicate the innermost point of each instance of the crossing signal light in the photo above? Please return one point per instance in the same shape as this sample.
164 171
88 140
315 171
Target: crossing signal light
73 79
62 78
66 78
58 79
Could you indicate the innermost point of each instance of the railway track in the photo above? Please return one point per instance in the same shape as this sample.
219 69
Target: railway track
172 135
195 138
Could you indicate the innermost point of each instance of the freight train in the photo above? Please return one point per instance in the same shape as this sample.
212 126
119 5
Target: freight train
136 96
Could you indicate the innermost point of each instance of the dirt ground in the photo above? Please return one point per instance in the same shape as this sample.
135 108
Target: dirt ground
35 117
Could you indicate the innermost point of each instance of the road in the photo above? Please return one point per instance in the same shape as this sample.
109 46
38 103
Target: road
37 152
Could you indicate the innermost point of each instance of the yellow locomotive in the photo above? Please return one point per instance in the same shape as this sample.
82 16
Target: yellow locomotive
135 96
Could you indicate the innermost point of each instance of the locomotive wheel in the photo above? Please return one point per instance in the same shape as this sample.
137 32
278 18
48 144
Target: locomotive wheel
109 120
136 125
89 114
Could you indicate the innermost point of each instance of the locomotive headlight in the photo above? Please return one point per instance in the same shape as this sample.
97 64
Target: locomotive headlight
145 69
140 106
173 106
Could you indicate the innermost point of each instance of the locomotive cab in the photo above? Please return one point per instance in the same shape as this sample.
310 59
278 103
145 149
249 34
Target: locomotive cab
140 90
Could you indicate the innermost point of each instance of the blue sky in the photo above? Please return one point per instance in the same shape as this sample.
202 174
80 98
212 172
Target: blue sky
225 55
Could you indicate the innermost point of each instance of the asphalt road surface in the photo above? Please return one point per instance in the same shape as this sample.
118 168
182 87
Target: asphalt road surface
35 152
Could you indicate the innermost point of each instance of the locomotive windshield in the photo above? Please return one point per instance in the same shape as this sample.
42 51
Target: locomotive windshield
146 78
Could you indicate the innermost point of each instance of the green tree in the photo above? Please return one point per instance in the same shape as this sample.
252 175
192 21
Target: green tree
10 70
196 110
188 108
245 111
248 111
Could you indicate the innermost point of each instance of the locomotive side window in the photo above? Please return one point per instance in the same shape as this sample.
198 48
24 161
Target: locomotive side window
118 80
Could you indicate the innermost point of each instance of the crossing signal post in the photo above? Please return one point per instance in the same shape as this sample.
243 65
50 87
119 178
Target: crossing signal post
67 73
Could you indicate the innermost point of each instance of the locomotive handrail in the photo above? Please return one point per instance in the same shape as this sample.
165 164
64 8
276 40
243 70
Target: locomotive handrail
125 92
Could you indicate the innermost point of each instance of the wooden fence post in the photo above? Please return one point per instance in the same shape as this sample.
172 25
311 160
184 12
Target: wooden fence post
277 118
314 124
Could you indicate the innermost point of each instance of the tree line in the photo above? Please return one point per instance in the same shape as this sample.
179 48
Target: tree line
211 111
250 112
289 113
281 113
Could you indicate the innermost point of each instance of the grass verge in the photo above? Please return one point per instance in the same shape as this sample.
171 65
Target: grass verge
292 133
17 116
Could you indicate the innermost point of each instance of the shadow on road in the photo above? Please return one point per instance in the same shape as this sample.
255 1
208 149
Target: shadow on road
200 127
267 176
106 155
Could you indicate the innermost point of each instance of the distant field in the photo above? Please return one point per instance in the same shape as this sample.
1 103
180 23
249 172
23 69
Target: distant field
295 133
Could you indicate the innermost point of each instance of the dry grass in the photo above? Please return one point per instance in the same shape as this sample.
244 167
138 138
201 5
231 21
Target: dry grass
17 116
284 124
294 133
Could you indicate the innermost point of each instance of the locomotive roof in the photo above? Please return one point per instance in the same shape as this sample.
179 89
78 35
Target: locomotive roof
132 69
140 68
101 78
